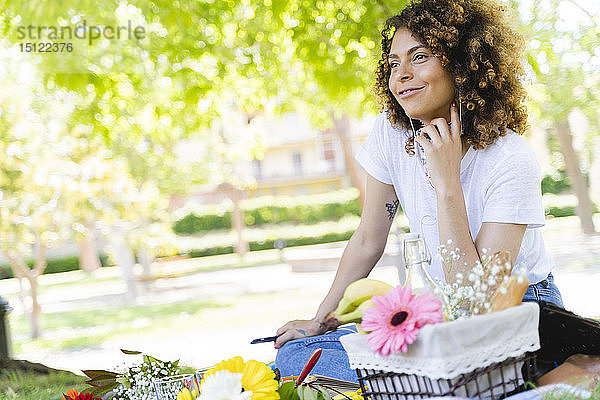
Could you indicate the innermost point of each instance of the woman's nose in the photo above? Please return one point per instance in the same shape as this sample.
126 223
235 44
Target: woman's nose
403 73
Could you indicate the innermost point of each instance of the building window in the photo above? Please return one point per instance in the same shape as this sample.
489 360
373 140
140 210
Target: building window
297 157
328 148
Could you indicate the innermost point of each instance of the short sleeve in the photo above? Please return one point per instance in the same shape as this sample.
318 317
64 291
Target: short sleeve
513 193
371 155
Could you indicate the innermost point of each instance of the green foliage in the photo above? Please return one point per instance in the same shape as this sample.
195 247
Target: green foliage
212 251
558 394
193 223
561 49
275 210
289 391
32 386
556 183
302 241
306 213
563 205
269 243
565 211
53 266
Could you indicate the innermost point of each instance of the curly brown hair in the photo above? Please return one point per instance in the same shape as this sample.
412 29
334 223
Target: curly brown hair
476 42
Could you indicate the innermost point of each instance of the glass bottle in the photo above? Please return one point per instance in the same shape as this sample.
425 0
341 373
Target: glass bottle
416 261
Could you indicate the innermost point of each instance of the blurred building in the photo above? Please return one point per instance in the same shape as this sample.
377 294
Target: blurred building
297 160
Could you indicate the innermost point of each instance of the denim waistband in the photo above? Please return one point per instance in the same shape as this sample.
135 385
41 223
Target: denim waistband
544 290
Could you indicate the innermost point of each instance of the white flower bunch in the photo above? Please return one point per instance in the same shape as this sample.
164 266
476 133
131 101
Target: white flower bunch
136 382
475 285
224 385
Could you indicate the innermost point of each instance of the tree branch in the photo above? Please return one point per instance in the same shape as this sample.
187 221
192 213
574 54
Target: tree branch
19 267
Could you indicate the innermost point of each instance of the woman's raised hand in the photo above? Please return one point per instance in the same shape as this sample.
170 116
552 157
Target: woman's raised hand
443 150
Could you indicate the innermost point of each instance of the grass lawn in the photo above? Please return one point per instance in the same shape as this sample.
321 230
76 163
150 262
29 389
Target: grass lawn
28 386
82 328
558 395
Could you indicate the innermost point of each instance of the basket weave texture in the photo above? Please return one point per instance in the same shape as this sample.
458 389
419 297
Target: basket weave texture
495 381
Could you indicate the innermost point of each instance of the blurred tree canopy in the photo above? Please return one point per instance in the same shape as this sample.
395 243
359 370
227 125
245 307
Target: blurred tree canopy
564 56
200 61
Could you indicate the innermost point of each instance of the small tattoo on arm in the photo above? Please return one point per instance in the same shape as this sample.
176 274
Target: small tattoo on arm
301 331
392 208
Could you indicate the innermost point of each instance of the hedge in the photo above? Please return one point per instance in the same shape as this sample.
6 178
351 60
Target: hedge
566 211
53 266
275 210
269 243
556 183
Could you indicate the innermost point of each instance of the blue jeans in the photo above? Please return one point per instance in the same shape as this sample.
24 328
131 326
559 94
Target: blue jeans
334 362
545 290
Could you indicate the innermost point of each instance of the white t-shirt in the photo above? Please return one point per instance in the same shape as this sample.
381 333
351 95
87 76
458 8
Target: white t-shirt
501 183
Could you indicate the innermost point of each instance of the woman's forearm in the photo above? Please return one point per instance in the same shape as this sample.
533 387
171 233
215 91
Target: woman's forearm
358 260
453 224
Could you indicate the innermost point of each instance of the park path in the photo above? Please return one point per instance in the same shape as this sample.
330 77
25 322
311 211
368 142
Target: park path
289 295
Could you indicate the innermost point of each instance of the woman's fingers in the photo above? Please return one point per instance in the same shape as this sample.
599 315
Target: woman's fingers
440 126
424 142
287 336
430 133
284 328
455 121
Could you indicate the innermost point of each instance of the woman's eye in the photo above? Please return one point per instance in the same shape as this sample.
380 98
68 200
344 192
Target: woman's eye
393 64
419 57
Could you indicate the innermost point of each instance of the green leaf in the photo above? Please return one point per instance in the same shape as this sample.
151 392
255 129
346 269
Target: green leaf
99 392
287 391
92 373
306 393
123 380
99 382
323 392
131 351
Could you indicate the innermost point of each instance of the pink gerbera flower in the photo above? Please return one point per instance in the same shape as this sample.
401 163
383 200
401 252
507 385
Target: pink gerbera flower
397 317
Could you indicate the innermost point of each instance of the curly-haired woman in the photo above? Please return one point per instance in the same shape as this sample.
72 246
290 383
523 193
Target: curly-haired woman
447 149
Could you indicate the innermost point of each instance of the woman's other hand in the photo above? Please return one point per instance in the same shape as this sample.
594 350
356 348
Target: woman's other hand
298 329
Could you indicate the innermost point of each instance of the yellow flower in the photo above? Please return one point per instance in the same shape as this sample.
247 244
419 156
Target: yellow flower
257 377
353 395
260 380
235 365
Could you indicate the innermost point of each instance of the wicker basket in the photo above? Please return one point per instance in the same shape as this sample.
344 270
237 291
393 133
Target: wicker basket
496 381
487 356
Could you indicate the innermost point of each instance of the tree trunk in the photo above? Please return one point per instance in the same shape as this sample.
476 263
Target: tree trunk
143 256
237 222
584 204
125 259
36 309
38 269
341 129
21 270
89 261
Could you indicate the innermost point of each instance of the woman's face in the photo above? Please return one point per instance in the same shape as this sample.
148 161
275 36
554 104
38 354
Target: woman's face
422 87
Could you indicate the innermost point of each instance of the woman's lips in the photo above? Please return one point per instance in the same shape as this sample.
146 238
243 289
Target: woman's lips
410 92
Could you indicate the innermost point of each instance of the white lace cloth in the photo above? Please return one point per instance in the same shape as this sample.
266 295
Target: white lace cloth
449 349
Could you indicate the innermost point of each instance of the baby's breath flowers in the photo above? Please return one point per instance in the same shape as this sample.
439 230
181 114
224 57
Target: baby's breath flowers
474 286
137 382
